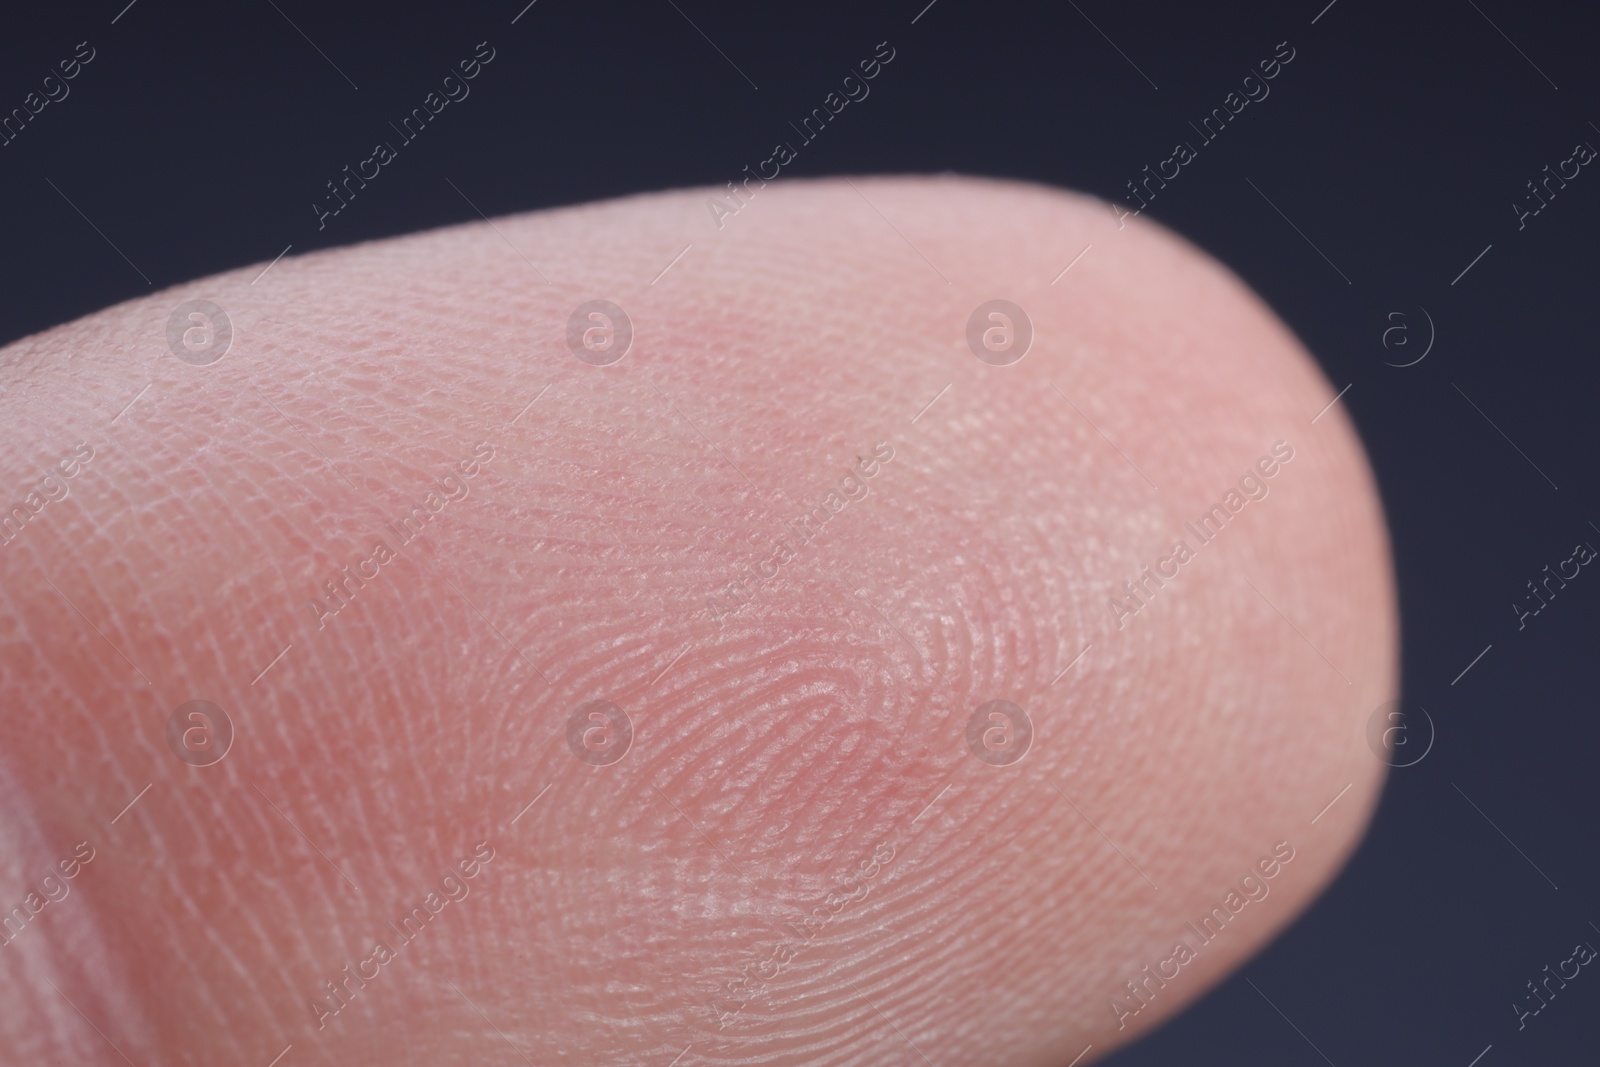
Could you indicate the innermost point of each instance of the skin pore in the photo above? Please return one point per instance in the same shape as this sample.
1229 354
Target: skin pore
798 856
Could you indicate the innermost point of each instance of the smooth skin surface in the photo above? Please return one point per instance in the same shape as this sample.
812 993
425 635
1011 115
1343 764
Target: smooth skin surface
799 860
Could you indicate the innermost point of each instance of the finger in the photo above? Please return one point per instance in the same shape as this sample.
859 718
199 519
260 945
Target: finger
643 707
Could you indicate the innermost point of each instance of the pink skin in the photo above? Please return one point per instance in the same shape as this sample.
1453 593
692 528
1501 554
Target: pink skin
814 735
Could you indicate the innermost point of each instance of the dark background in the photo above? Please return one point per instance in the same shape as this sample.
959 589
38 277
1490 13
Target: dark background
1397 141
